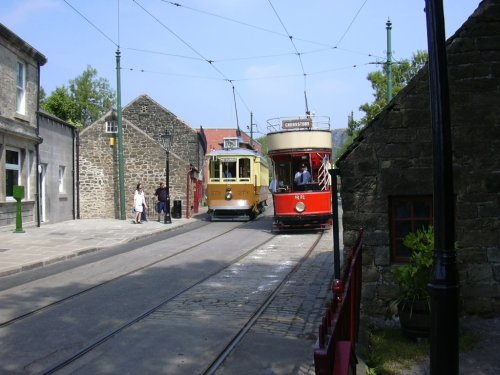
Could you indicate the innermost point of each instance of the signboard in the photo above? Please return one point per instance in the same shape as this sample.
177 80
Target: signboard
305 123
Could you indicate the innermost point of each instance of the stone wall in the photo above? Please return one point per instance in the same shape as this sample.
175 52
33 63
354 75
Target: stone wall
18 131
145 160
393 156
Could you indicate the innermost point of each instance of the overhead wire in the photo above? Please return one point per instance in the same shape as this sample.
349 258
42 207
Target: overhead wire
92 24
350 24
326 45
211 62
290 37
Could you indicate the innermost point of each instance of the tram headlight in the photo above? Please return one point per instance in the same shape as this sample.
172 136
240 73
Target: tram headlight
229 195
300 207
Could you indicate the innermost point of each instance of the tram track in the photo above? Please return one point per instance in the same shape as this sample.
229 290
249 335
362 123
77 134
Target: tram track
75 352
217 363
219 359
142 316
111 280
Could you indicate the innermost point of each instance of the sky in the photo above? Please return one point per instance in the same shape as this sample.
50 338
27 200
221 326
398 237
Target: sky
225 63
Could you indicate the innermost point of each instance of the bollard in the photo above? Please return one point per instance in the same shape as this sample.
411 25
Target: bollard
18 194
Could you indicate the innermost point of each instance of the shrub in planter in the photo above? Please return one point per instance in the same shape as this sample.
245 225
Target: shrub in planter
412 302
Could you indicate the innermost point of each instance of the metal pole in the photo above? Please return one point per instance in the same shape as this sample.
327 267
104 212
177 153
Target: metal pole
444 286
389 61
335 217
168 219
121 163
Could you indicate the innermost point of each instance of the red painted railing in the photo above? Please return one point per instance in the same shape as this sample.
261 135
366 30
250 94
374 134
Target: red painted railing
334 352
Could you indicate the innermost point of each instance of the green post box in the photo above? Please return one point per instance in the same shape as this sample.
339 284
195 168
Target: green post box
18 194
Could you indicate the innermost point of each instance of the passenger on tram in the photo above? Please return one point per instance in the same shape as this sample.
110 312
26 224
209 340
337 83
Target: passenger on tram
305 176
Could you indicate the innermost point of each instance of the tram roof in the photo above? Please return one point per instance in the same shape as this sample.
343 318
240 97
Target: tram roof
234 152
298 123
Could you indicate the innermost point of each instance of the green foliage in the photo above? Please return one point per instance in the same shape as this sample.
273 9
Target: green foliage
263 142
402 73
412 278
86 99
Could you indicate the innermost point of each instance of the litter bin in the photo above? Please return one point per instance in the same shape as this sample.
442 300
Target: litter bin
177 209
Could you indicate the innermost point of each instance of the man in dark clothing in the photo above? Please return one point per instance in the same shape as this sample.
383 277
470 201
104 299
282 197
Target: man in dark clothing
162 196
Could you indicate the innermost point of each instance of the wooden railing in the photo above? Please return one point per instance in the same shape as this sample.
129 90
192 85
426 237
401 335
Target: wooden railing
334 352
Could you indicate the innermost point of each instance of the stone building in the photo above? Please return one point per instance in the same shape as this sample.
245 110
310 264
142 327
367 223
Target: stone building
387 174
19 136
143 121
57 168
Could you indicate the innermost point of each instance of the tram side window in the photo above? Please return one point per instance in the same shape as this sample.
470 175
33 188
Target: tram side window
244 168
214 169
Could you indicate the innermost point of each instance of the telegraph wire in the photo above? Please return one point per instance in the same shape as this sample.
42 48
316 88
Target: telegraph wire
92 24
352 22
224 18
211 62
326 45
297 52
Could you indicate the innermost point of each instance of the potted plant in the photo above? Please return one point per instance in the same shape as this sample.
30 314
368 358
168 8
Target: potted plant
412 302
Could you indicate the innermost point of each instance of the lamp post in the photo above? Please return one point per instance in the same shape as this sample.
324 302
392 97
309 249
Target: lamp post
166 143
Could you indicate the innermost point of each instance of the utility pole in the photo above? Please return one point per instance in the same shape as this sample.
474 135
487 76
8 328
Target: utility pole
121 163
389 61
251 129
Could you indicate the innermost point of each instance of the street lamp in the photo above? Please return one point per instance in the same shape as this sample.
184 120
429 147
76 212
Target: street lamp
166 143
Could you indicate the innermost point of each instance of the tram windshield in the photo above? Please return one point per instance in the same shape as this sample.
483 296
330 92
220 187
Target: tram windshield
230 169
301 172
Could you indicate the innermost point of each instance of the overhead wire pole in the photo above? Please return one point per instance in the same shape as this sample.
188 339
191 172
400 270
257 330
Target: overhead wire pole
444 286
121 163
389 61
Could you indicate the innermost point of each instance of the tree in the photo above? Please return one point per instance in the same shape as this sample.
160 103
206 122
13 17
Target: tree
86 99
402 73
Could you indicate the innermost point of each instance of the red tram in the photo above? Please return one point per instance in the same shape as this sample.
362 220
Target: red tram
301 152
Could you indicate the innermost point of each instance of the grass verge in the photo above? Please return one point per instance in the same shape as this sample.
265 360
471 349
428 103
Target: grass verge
389 352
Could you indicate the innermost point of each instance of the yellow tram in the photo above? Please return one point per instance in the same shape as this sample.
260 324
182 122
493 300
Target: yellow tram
238 180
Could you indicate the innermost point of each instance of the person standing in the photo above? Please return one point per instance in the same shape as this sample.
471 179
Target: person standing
139 203
162 195
305 175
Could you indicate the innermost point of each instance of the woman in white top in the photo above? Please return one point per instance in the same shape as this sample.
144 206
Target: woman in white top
139 203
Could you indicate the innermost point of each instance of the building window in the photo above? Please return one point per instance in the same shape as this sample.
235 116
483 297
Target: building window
407 214
21 88
111 126
12 170
62 170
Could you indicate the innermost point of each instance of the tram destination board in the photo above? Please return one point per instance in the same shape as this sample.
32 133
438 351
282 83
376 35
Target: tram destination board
297 123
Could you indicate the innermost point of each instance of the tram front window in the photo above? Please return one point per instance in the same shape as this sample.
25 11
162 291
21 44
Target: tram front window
229 168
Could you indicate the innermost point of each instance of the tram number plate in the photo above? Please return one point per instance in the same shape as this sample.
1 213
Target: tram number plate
300 197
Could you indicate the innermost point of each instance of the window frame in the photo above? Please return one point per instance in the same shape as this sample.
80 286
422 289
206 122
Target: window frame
21 88
112 127
13 167
61 177
414 221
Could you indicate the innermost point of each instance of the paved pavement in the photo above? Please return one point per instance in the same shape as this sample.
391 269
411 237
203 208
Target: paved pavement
303 299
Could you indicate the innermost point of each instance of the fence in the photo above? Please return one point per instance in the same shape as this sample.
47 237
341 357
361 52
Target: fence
334 352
